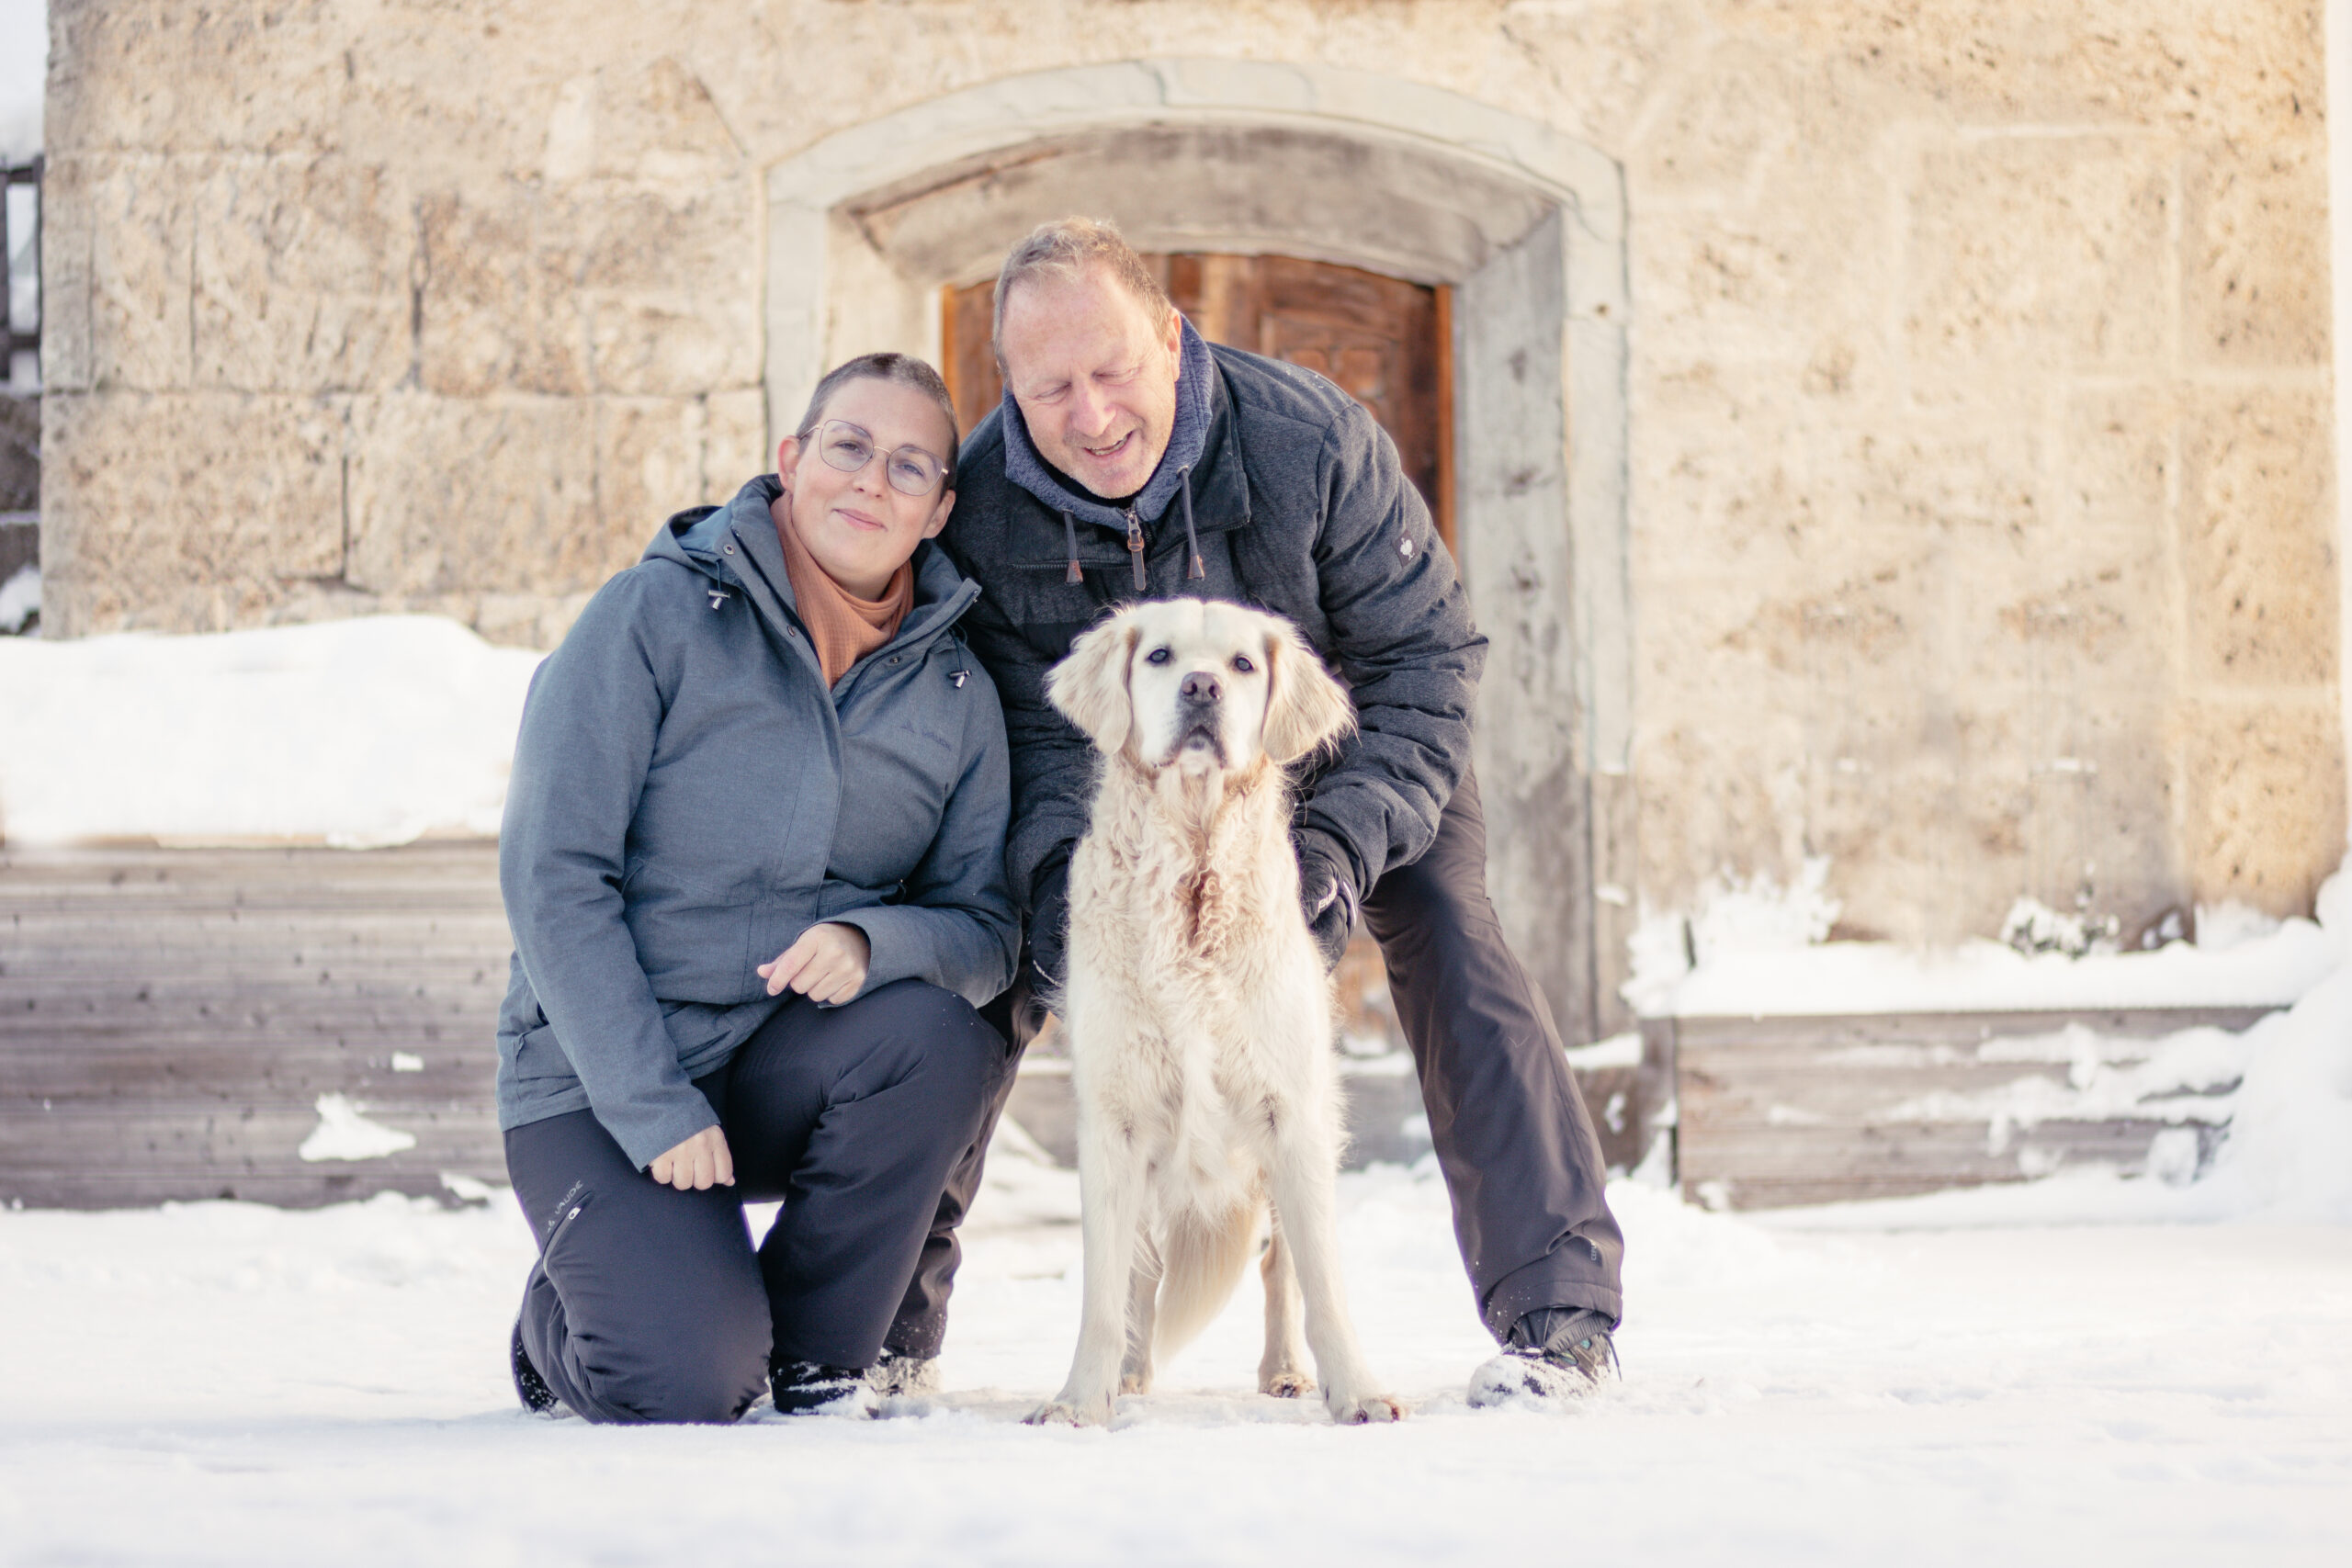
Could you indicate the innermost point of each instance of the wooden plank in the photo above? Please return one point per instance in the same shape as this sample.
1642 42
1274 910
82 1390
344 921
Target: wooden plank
168 1020
1877 1028
1809 1109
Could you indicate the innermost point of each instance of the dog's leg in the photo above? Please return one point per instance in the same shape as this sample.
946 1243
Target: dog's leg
1143 1305
1300 1176
1110 1200
1281 1372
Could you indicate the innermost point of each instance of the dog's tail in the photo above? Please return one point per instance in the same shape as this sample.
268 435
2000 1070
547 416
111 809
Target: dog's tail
1202 1260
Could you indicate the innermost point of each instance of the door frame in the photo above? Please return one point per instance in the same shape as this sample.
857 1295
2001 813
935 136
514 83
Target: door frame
1528 225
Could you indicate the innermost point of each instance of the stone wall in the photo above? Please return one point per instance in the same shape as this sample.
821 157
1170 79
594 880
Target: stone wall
1981 516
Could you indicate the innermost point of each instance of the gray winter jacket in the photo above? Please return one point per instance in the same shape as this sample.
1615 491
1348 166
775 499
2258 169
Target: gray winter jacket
688 798
1299 506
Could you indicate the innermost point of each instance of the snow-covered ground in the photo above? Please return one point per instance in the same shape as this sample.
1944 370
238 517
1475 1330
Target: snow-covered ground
233 1385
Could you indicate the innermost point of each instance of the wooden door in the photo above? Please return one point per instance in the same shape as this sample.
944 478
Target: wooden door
1386 341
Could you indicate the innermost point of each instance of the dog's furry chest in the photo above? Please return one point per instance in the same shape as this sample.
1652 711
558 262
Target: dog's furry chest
1200 1015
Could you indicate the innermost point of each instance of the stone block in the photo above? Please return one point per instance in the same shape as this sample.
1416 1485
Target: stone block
735 441
491 496
2266 801
2233 71
1714 123
592 285
125 235
499 308
2257 539
648 462
185 511
1599 64
2120 456
638 119
2255 271
301 277
1793 285
175 78
2038 252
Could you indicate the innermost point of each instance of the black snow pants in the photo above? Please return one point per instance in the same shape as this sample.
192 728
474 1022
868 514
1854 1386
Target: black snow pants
650 1305
1521 1162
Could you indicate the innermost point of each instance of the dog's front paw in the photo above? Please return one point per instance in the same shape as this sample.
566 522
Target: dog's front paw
1368 1411
1286 1385
1068 1412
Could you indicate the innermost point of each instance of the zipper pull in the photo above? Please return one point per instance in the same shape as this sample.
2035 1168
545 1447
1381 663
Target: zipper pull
718 596
1135 546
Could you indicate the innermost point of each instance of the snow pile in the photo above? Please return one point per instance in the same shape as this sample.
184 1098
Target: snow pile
344 1133
1756 950
356 733
2290 1150
19 600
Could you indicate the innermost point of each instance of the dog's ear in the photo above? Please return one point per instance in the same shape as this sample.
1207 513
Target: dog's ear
1305 709
1090 687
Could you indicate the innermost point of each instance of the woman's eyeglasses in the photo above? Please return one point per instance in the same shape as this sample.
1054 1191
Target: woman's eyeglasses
911 469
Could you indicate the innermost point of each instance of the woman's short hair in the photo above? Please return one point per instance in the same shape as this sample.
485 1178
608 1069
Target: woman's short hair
1065 249
907 371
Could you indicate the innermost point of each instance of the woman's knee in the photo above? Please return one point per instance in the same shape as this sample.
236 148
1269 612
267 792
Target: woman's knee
944 1035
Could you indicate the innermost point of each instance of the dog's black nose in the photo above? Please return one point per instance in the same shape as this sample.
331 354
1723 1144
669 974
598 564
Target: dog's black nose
1201 686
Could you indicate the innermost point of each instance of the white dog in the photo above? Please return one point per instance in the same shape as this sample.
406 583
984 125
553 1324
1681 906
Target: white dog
1199 1015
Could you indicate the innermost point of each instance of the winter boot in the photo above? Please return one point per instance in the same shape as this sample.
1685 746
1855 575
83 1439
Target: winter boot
805 1388
898 1373
1554 1353
529 1387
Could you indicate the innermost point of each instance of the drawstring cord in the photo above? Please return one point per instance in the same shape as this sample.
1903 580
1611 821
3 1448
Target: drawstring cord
1184 488
1196 570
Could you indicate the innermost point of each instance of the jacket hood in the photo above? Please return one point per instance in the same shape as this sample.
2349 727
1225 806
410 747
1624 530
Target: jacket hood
1186 441
699 539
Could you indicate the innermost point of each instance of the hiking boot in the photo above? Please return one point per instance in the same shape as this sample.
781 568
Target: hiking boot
805 1388
1554 1353
898 1373
529 1387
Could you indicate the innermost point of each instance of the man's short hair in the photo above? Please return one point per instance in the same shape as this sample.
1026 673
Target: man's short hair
903 368
1064 249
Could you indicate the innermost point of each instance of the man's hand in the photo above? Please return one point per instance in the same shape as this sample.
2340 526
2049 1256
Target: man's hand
1049 933
1327 892
701 1162
827 965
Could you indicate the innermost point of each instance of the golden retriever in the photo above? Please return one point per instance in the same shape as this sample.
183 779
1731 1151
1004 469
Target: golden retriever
1199 1014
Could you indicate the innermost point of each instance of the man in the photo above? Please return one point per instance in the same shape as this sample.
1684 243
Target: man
1132 460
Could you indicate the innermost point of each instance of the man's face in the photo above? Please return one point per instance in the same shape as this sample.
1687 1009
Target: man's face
1094 375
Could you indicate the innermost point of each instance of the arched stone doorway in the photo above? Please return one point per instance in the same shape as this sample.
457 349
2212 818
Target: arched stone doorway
1523 226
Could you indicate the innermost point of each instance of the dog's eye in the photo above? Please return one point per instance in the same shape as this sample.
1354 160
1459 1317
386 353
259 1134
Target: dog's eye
1156 655
1241 662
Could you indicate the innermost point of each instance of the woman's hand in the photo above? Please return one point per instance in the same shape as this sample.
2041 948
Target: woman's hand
698 1164
827 965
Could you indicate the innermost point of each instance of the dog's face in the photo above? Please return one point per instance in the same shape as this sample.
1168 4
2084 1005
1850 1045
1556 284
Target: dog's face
1199 685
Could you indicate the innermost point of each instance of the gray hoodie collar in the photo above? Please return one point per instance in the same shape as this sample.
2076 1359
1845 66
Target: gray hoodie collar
737 545
1186 441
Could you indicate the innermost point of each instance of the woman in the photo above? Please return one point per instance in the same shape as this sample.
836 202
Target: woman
753 861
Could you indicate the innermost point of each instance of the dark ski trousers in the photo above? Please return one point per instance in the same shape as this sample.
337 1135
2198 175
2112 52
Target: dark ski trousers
1521 1162
650 1305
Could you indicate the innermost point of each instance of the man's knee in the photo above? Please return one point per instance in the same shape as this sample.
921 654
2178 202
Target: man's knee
1441 910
